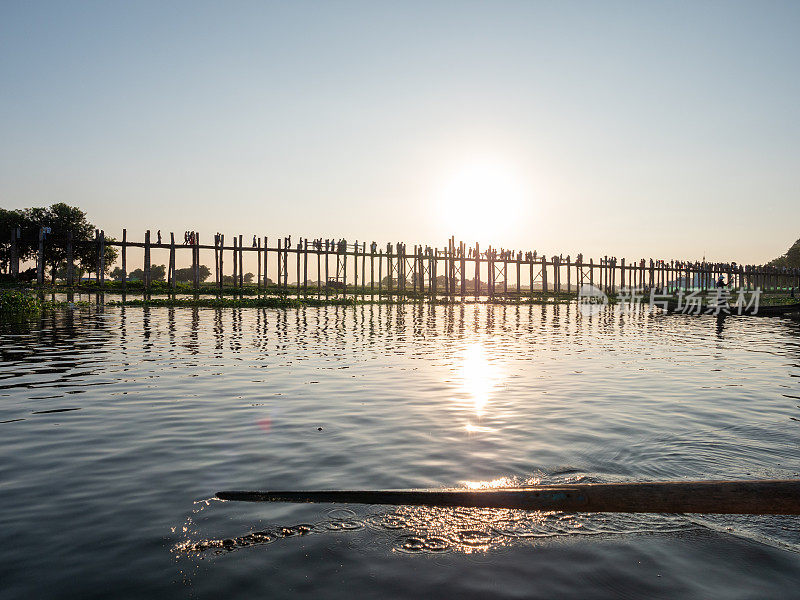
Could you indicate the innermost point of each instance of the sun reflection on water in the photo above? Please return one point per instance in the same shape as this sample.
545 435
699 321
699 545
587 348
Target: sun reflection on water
479 377
502 482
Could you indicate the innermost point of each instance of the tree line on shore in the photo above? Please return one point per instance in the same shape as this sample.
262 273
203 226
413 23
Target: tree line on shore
60 219
159 273
791 259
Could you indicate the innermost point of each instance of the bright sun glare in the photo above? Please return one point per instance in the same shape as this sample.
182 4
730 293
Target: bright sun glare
482 200
478 377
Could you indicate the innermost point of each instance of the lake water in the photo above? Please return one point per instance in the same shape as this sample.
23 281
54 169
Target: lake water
117 426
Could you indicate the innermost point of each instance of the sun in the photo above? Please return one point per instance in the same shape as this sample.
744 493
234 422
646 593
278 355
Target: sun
482 200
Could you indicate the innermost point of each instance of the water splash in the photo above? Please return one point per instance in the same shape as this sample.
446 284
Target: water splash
436 530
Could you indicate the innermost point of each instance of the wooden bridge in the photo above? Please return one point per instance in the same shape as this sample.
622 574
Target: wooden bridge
358 269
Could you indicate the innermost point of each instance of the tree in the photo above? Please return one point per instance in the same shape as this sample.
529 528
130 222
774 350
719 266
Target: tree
61 219
396 282
10 220
157 273
790 259
88 257
231 280
187 275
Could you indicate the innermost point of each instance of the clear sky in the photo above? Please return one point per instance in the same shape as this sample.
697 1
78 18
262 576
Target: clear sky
637 129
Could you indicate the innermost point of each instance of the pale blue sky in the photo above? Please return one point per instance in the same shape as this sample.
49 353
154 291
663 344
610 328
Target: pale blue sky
631 129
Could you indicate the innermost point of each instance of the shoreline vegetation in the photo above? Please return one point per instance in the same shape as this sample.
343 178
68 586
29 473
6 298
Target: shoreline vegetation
19 302
213 297
275 295
23 304
163 287
289 302
293 302
18 305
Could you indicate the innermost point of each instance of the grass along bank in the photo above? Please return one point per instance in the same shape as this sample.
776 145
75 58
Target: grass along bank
16 305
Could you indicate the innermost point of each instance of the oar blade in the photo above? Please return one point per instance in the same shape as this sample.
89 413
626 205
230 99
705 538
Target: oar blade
705 497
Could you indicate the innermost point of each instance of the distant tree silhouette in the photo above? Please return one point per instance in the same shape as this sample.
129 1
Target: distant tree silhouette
61 219
10 220
157 273
790 259
187 275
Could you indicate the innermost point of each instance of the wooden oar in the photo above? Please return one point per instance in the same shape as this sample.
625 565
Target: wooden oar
756 497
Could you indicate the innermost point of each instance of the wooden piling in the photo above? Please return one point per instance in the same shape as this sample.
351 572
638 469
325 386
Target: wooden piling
14 251
147 259
327 276
613 268
505 275
286 249
477 270
193 267
544 274
569 280
419 270
372 269
216 260
40 259
452 271
279 264
446 255
241 263
123 252
462 252
363 267
266 262
221 259
355 267
432 264
530 276
557 274
101 259
193 264
197 260
490 275
235 263
389 270
258 253
298 250
71 262
305 267
172 281
344 268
